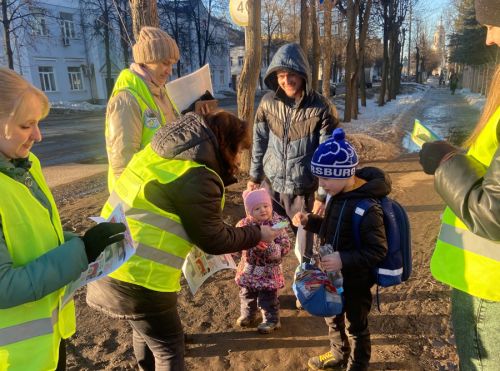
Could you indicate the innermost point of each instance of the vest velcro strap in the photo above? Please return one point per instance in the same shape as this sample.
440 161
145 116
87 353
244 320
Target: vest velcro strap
28 330
159 256
469 241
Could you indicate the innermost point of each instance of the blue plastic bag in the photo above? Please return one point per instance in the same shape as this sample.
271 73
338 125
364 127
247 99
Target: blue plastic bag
315 292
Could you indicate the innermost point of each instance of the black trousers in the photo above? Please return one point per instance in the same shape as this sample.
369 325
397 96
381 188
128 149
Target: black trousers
266 300
352 341
158 340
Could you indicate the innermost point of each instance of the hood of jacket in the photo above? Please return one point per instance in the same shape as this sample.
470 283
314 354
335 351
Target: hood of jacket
378 184
189 138
288 57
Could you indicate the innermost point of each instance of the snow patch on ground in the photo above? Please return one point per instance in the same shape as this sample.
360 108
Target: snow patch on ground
377 130
77 106
474 99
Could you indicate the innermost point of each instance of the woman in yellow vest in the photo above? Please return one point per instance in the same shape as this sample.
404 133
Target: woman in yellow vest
173 194
37 259
139 103
467 254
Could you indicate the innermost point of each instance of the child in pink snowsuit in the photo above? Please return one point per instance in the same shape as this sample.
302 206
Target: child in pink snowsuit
259 273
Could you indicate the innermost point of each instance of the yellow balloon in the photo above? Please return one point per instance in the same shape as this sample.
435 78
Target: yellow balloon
238 9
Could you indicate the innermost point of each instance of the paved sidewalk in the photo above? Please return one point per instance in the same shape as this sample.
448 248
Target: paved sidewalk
67 173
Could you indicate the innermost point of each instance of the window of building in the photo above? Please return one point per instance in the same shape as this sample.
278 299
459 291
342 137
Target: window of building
222 82
75 78
40 23
240 60
231 61
67 25
47 78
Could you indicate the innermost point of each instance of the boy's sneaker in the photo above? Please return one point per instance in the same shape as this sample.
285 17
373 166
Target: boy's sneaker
244 321
326 361
268 327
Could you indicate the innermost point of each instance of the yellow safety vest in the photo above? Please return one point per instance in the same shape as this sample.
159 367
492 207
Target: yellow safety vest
152 116
463 259
161 241
30 333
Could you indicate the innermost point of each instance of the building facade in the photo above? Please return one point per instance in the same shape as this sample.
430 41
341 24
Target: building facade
61 53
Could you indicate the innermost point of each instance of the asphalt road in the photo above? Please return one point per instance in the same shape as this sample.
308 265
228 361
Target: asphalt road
79 137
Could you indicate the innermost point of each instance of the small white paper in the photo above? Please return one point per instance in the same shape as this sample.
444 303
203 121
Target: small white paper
187 89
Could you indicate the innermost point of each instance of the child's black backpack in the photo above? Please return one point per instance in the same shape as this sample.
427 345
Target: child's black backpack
396 266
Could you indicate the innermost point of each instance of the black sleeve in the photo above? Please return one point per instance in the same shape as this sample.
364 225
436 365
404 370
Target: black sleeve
472 191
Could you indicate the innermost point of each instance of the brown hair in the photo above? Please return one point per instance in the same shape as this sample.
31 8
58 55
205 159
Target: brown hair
14 92
232 134
491 105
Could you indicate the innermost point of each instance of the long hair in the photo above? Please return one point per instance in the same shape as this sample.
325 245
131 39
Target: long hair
14 93
491 105
233 135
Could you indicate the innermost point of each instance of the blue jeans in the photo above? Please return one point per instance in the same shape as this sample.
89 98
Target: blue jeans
476 324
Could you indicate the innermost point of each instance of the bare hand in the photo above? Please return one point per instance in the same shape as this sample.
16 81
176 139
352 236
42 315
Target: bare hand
252 186
268 234
331 262
300 219
318 208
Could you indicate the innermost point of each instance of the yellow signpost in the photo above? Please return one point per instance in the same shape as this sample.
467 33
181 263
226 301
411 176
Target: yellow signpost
238 9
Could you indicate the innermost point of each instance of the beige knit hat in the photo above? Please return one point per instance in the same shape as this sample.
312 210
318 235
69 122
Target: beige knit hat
154 45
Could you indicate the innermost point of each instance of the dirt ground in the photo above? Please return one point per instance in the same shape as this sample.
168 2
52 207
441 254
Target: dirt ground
411 331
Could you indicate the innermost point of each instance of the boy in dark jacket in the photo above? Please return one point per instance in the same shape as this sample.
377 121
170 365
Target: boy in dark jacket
334 163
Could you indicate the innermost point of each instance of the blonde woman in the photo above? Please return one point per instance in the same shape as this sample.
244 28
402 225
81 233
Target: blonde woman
37 259
467 254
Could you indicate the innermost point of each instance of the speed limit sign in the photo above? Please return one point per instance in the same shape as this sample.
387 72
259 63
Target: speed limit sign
238 9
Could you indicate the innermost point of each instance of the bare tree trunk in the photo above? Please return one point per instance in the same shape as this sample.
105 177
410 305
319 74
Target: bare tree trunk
250 72
363 30
6 30
304 24
144 13
327 49
351 62
123 14
316 53
385 66
109 79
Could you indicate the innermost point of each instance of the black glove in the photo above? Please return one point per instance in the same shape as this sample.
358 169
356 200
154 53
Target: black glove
97 238
432 153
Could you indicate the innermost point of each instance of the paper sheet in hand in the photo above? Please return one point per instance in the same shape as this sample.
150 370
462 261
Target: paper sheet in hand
109 260
186 89
198 266
422 134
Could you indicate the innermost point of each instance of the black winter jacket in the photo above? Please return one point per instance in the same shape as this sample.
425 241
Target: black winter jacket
356 263
286 133
196 198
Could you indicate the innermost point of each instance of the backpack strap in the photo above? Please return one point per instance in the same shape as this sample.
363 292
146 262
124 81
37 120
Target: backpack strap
357 216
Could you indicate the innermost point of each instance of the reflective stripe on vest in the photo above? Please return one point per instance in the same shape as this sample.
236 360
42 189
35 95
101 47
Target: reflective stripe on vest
28 330
162 243
133 84
469 241
463 259
38 324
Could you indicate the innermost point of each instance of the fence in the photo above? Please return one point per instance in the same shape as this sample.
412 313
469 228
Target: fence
477 78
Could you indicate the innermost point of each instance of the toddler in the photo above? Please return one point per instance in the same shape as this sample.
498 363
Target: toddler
259 273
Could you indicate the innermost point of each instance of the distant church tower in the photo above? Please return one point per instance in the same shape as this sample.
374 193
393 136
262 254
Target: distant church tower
439 46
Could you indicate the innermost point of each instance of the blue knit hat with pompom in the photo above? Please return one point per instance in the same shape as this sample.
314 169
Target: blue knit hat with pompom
335 158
